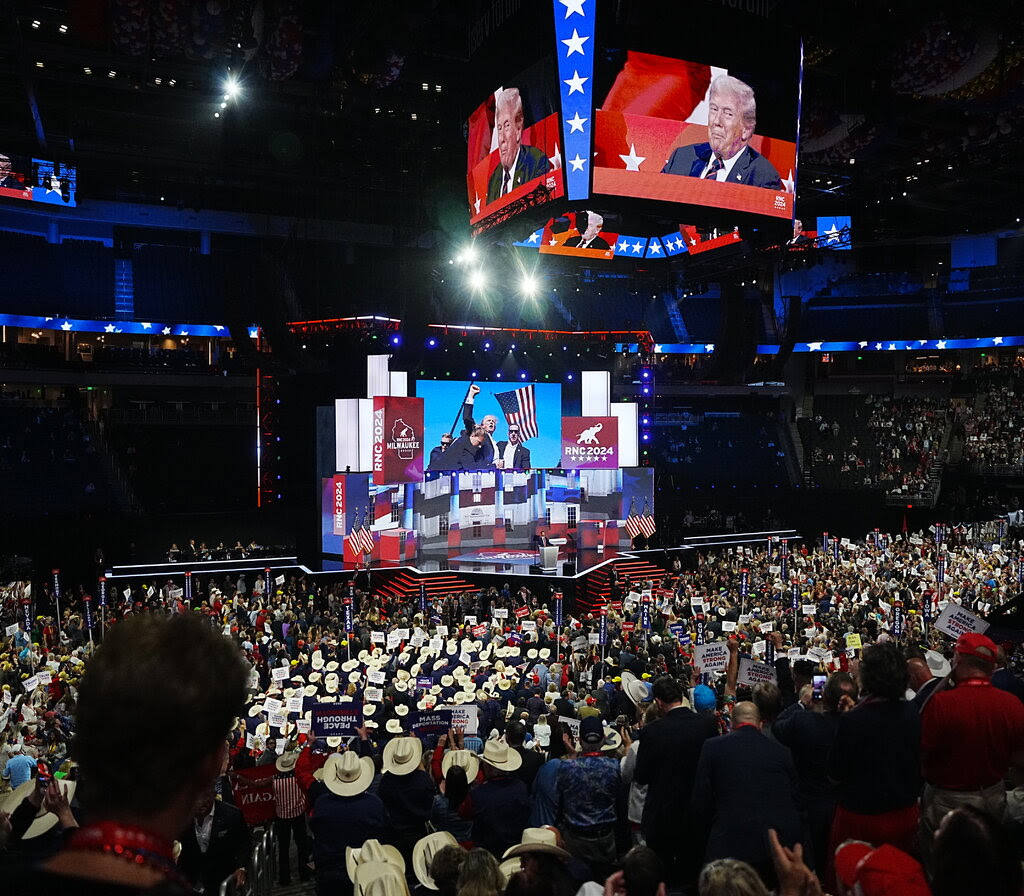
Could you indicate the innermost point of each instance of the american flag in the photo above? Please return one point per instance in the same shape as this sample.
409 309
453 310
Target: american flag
647 522
520 407
365 534
354 540
632 522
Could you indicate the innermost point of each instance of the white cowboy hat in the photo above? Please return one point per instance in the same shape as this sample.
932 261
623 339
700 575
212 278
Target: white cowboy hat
393 726
372 851
379 879
423 854
465 759
501 756
346 774
543 840
402 755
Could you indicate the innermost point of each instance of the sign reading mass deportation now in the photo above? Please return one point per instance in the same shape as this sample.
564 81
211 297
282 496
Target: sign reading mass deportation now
955 621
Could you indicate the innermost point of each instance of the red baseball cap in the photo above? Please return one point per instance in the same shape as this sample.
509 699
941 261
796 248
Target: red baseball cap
885 871
977 645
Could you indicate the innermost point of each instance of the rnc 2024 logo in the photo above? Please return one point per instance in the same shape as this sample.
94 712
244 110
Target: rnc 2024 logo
588 444
403 440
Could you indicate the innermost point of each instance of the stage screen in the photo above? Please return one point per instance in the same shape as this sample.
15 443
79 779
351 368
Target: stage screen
536 408
37 180
513 160
698 133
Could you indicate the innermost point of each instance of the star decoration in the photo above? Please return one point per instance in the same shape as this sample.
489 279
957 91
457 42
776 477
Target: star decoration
892 346
253 334
577 163
147 326
998 340
814 346
66 325
878 346
941 343
633 161
832 235
576 123
184 332
862 344
218 327
680 245
166 331
476 205
788 182
534 237
575 83
552 242
693 241
118 330
573 7
556 159
637 247
922 341
109 328
575 43
709 347
622 247
47 318
655 248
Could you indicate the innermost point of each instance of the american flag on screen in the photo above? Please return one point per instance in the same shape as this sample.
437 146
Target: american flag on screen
520 407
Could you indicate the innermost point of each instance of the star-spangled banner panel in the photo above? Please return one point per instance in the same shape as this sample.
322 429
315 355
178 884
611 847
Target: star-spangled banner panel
630 246
574 50
863 345
834 232
139 328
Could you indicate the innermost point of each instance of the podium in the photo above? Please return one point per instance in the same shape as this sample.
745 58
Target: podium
548 557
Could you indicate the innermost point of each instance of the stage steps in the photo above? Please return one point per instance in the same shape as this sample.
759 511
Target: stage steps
405 584
598 586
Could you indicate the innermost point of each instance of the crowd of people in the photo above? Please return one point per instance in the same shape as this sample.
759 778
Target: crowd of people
992 427
779 715
193 553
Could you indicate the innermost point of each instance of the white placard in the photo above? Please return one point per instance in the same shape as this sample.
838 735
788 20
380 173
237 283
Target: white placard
377 637
44 677
594 638
11 630
713 657
766 627
572 724
374 695
416 640
250 742
279 673
744 618
277 720
303 725
751 672
793 653
808 609
375 676
272 705
954 620
294 704
500 613
528 625
759 648
403 634
465 658
436 644
394 639
442 630
465 716
279 580
470 620
728 626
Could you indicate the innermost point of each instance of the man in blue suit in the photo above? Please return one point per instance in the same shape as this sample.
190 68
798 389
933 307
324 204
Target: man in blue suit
744 785
518 163
727 157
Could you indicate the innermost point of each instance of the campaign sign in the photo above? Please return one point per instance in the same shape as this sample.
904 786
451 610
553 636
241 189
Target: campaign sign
628 626
338 504
463 716
955 621
522 612
677 629
253 790
397 439
752 672
432 723
590 443
572 725
424 682
713 657
337 719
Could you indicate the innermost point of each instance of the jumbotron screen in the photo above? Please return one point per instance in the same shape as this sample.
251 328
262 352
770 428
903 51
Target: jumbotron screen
37 180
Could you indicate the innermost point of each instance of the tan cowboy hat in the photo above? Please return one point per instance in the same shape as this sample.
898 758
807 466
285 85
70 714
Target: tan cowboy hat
465 759
45 821
393 726
286 761
349 665
331 683
543 840
510 867
400 685
402 755
318 660
401 709
501 756
372 851
346 774
369 709
332 666
447 681
379 879
423 854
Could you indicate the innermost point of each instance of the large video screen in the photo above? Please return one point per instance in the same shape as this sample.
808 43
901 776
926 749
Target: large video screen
513 160
522 420
37 180
698 132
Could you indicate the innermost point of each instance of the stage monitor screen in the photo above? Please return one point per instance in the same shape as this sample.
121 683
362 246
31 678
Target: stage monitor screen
698 132
513 161
37 180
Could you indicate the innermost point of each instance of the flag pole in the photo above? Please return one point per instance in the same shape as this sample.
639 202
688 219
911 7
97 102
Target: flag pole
458 415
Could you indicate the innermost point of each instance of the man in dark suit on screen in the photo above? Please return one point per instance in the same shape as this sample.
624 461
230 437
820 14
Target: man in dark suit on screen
727 157
589 237
666 762
517 163
512 454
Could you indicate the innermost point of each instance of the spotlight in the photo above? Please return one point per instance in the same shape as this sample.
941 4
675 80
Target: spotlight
478 279
528 286
487 345
396 340
231 87
522 376
431 343
467 255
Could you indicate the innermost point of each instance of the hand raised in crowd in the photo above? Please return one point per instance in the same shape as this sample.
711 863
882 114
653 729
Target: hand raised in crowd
615 885
795 878
807 696
55 800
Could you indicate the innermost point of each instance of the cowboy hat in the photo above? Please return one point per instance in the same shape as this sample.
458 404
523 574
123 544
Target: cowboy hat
346 774
543 840
423 854
501 756
393 726
372 851
379 879
465 759
402 755
286 761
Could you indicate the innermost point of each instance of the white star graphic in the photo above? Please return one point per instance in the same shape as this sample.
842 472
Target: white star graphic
633 161
575 44
787 182
552 242
577 163
862 344
572 6
654 248
476 205
184 332
575 83
218 327
47 318
118 330
941 343
622 247
709 347
109 328
832 234
534 237
998 340
576 123
892 346
147 326
878 346
166 331
679 243
814 346
637 247
922 341
253 334
556 159
66 325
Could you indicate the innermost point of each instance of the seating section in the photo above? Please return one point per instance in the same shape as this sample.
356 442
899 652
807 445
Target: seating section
993 426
